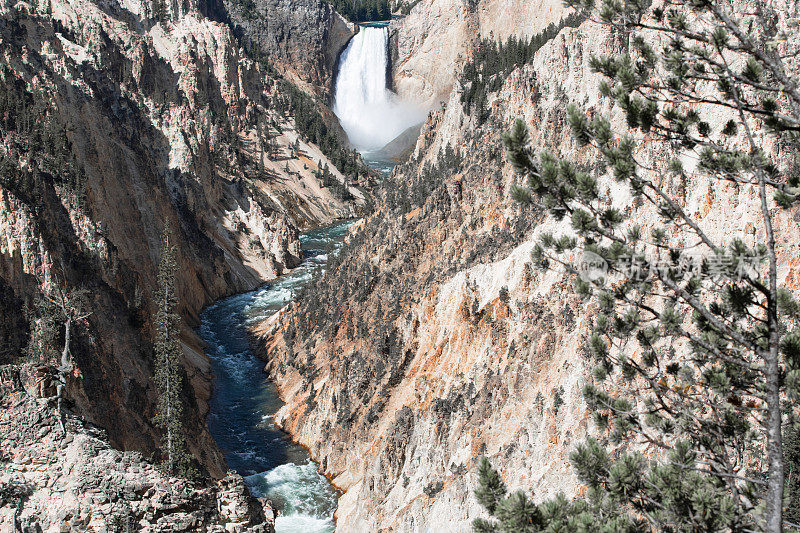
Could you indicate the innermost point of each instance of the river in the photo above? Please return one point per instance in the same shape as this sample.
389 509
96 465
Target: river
244 400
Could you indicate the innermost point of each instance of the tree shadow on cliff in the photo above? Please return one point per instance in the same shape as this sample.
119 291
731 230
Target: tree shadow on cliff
13 325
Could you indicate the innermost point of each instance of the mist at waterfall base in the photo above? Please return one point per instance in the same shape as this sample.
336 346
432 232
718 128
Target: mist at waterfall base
371 114
245 400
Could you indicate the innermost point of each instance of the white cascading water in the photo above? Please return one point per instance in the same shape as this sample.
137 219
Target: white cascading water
369 112
245 401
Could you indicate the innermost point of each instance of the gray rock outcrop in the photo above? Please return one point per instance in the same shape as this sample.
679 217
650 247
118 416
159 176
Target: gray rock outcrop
55 482
302 38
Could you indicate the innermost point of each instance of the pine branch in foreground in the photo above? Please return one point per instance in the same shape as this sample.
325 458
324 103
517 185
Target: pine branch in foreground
696 346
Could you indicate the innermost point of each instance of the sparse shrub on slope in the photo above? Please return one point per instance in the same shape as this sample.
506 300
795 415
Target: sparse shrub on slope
492 62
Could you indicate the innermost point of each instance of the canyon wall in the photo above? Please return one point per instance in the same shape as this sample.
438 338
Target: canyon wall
433 41
432 340
440 343
301 38
120 119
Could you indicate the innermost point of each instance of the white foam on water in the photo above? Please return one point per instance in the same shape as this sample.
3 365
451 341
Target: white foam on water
302 495
303 524
369 112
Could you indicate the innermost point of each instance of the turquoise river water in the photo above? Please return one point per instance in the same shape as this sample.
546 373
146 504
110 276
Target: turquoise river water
244 399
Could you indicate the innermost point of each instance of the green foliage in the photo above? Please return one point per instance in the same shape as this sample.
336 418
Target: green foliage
169 366
305 110
312 126
325 176
14 326
491 488
517 513
558 398
504 296
52 320
621 490
160 11
492 62
34 130
695 358
363 10
791 453
43 342
249 10
404 7
407 196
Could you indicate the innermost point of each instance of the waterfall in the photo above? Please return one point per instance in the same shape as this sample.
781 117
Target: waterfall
369 112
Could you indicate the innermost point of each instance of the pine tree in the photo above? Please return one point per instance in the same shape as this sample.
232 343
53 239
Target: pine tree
695 358
169 370
491 488
327 177
273 150
791 453
57 313
363 10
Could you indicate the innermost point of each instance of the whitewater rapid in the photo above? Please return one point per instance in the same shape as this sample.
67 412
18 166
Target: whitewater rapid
245 400
369 112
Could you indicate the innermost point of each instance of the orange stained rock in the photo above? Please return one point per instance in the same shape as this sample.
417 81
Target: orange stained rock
707 202
500 309
413 214
463 309
309 162
494 215
431 364
791 281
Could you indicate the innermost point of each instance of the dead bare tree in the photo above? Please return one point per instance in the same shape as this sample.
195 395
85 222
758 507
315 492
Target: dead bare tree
60 307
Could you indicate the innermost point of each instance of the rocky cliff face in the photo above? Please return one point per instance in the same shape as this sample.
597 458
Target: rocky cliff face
440 344
49 482
119 119
437 36
302 38
432 340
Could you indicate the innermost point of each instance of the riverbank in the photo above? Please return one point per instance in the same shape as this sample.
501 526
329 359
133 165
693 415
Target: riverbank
245 400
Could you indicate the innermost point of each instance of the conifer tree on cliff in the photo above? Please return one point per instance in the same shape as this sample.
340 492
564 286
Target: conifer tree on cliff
697 362
168 374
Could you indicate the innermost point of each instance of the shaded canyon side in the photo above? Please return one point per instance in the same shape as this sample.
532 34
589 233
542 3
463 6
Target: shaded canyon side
123 119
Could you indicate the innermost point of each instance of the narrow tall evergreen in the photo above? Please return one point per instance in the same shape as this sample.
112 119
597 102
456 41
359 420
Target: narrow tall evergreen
169 371
491 488
160 11
791 454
